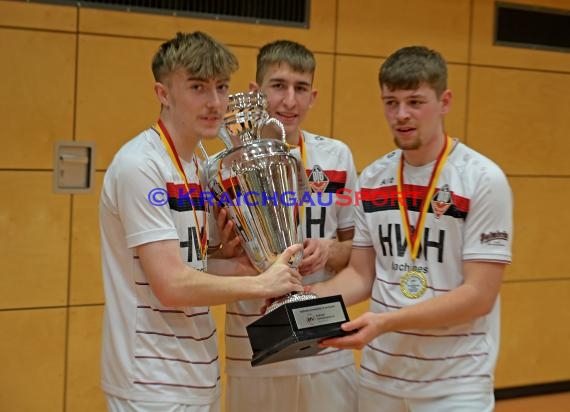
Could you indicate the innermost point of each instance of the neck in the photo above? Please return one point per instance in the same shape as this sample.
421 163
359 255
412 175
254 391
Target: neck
427 153
294 138
185 145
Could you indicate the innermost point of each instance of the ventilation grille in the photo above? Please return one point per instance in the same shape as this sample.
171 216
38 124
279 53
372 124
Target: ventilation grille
271 12
532 27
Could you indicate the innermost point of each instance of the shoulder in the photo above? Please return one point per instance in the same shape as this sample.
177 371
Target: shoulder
470 162
323 143
142 152
384 165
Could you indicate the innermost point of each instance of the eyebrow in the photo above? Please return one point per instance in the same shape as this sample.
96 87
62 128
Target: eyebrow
412 96
201 79
280 80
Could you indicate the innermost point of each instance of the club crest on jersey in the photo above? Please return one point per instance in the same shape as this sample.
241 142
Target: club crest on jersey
441 201
318 180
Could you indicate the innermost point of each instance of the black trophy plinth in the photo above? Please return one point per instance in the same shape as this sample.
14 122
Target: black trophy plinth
293 330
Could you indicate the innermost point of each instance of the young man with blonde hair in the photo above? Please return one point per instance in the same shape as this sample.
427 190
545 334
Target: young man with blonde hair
159 339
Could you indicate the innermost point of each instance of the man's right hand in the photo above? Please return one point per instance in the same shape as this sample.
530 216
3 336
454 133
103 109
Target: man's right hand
280 278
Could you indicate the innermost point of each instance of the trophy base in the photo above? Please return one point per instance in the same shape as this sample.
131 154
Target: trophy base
294 330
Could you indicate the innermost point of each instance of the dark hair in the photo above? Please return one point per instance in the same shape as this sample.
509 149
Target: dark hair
409 67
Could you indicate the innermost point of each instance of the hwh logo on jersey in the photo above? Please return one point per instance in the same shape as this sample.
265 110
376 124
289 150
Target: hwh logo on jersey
193 243
318 180
392 238
310 221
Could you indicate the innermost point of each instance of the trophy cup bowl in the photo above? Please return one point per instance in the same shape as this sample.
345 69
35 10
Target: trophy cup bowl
256 180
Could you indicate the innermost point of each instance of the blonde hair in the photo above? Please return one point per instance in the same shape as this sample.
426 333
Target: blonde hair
199 54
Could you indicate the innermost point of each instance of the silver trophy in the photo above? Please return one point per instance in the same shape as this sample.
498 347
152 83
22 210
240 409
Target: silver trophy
258 181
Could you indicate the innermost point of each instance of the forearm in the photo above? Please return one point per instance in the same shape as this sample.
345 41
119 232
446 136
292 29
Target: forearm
195 288
460 305
339 255
353 287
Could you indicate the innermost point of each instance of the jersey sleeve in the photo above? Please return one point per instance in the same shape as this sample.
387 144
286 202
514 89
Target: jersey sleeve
346 212
362 236
142 202
489 224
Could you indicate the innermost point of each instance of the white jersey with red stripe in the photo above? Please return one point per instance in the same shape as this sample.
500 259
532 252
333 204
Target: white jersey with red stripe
152 352
330 168
469 219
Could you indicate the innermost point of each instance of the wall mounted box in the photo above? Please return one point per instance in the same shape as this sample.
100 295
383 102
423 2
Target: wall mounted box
74 164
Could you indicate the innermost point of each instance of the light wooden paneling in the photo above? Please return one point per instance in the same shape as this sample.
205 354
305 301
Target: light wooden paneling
36 96
485 52
86 279
558 402
83 392
378 28
115 97
38 16
538 231
535 333
519 118
34 242
358 117
32 354
219 314
318 118
320 36
115 101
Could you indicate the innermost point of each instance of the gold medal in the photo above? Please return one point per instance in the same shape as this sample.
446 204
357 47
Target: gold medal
413 284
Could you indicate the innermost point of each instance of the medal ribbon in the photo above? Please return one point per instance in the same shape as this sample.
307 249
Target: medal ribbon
301 146
413 236
161 130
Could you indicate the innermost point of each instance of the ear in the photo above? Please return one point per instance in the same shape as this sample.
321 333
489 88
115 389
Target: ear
445 99
314 94
161 92
253 87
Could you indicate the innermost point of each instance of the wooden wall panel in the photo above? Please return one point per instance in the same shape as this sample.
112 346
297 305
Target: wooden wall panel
86 277
32 354
83 391
358 117
485 52
37 94
541 222
320 36
35 241
38 16
318 119
115 97
519 118
378 28
535 333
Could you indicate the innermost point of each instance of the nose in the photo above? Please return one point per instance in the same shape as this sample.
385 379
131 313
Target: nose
289 97
214 99
402 112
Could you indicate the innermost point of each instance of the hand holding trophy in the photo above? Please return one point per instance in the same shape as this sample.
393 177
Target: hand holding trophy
257 181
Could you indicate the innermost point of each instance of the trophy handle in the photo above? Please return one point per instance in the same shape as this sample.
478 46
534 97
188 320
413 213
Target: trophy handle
225 137
279 125
203 151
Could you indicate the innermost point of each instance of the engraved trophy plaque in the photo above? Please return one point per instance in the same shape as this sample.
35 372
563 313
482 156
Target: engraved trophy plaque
257 181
